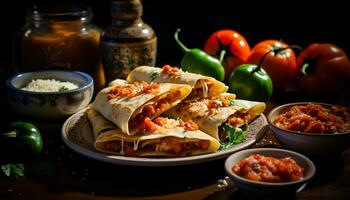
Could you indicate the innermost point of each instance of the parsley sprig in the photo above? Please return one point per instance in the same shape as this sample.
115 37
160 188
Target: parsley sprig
235 135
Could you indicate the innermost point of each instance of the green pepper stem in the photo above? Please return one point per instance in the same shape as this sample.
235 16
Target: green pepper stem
222 55
11 134
181 45
258 68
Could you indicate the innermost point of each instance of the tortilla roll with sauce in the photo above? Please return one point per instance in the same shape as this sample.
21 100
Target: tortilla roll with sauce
211 114
202 86
128 105
164 138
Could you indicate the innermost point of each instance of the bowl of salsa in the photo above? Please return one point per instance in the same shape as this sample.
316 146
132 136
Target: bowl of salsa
311 128
269 172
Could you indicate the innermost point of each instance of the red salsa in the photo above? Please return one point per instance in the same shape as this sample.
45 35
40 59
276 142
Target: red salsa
132 90
171 71
268 169
314 118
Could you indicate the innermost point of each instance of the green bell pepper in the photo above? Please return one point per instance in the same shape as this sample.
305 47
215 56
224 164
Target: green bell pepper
197 61
251 82
25 138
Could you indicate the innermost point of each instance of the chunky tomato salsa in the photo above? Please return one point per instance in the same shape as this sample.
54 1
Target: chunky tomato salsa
314 118
268 169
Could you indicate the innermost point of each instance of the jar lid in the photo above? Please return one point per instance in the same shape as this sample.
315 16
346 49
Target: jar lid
70 12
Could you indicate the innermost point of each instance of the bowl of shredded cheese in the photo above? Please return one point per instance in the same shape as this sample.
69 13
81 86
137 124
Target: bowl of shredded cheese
49 94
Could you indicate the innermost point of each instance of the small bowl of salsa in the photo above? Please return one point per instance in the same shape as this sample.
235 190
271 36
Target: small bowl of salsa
269 172
311 128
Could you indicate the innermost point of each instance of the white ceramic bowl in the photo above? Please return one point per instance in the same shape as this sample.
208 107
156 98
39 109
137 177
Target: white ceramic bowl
311 144
49 105
257 189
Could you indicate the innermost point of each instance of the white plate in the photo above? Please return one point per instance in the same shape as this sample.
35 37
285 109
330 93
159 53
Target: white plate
77 134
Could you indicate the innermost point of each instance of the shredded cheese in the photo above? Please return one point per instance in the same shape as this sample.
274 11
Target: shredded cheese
49 85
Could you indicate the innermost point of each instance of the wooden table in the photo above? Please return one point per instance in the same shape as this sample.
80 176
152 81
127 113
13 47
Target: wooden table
68 175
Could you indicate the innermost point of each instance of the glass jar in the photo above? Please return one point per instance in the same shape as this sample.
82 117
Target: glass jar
60 37
128 42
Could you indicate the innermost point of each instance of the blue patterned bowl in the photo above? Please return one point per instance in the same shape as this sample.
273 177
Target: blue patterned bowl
49 105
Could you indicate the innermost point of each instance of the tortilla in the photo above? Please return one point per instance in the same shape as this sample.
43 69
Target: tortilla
169 140
203 86
209 120
128 112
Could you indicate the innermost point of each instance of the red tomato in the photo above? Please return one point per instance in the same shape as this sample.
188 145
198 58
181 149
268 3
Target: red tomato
236 49
325 70
279 64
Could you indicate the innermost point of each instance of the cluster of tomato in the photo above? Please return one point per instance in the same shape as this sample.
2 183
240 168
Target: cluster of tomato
321 69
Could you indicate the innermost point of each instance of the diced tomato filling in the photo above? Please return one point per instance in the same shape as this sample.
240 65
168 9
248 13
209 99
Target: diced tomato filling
188 125
151 110
268 169
235 121
160 121
132 90
148 126
172 71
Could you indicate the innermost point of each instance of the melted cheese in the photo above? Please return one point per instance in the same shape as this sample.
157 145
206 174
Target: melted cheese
204 88
136 145
122 149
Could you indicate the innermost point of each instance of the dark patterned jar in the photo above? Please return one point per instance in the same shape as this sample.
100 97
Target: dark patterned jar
60 37
128 42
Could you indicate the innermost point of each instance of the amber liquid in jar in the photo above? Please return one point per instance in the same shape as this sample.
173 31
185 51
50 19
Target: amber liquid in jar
61 38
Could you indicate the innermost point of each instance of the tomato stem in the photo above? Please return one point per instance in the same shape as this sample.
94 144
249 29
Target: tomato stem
181 45
304 68
222 55
277 50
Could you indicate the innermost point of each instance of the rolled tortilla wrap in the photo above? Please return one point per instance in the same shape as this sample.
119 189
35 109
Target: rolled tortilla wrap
210 119
127 105
168 140
203 86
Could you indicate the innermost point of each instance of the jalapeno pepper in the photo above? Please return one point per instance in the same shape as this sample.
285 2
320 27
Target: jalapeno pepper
197 61
24 137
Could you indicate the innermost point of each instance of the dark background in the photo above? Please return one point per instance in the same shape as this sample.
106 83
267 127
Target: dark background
298 22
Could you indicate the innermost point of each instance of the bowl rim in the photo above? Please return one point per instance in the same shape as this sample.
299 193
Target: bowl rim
88 82
311 173
269 120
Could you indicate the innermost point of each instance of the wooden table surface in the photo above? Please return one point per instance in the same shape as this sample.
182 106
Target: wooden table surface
72 176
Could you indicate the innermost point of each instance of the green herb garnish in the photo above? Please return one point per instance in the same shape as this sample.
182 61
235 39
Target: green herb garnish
15 170
62 89
232 102
217 102
154 75
235 135
20 170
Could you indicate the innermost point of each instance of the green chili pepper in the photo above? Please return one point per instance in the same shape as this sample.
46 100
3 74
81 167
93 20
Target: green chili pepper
197 61
251 82
26 138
